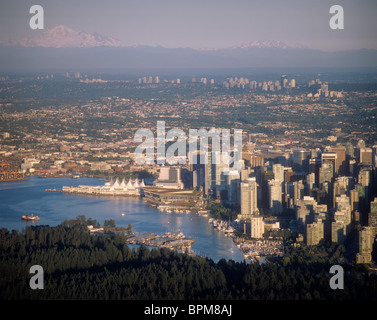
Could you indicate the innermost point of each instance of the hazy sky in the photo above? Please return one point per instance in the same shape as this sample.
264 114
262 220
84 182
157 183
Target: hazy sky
202 23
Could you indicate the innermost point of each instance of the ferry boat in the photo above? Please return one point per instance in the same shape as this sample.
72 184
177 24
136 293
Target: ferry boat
30 218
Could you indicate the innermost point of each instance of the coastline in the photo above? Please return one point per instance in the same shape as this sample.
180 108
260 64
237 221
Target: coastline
253 250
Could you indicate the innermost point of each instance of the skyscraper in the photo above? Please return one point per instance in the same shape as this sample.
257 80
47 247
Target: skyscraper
372 217
366 156
366 239
341 226
300 159
275 196
278 171
233 187
248 198
198 171
314 233
283 81
314 167
330 158
326 173
325 89
305 209
310 183
256 227
337 231
341 165
354 195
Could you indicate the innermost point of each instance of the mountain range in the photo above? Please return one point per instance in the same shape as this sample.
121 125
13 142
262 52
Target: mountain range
64 48
64 37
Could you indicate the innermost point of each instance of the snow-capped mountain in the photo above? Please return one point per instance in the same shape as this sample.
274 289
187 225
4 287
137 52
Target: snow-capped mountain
64 37
64 48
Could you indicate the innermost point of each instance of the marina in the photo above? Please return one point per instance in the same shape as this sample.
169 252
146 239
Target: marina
252 250
229 228
258 250
169 240
21 197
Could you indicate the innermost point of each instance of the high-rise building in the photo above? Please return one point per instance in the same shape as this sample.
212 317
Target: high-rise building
337 232
249 191
256 227
283 81
352 168
305 209
314 167
354 199
366 239
341 164
288 175
326 173
275 196
233 187
364 180
310 183
364 177
372 217
341 226
256 161
366 157
208 172
350 150
330 158
278 171
198 171
170 177
314 233
298 191
343 185
295 191
325 89
342 203
301 157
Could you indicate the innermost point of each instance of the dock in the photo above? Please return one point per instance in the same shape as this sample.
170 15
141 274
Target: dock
167 240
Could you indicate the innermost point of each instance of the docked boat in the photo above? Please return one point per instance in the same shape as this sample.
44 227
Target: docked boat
30 218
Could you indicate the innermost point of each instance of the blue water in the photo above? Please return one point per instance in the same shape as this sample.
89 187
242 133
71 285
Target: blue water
26 197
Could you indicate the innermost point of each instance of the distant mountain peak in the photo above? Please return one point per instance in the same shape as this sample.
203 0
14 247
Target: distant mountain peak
60 29
62 36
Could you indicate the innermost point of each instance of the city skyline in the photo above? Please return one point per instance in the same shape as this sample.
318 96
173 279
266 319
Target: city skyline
198 25
183 150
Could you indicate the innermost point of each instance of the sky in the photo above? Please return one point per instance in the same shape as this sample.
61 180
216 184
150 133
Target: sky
202 23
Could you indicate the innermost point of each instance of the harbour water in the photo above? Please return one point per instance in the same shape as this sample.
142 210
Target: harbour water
20 198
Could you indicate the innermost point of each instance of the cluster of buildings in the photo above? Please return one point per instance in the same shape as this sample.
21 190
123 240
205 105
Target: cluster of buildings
156 80
10 169
245 83
323 90
316 194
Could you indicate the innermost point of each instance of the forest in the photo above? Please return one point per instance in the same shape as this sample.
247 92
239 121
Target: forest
78 265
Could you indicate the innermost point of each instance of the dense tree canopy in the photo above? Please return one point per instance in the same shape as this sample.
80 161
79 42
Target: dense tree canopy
78 265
